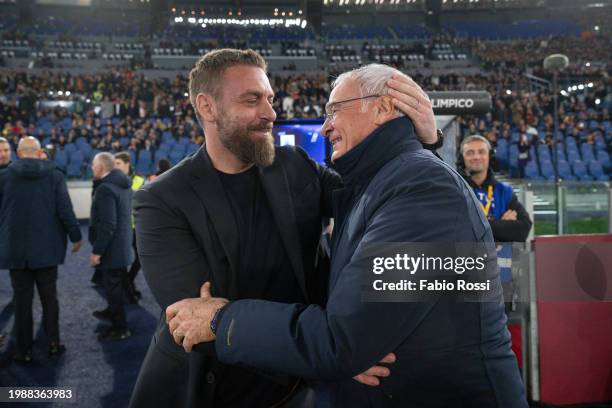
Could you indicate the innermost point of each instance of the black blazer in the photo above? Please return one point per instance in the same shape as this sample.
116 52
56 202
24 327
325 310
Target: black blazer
186 235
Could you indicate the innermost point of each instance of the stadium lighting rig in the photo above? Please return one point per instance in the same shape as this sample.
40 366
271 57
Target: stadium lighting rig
244 22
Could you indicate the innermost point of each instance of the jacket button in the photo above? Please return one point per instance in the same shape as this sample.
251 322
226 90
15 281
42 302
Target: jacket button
210 378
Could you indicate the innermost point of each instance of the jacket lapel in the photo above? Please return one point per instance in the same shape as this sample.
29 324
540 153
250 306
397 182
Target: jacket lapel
275 184
207 186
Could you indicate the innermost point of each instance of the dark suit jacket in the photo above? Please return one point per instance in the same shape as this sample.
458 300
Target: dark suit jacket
448 354
35 215
186 235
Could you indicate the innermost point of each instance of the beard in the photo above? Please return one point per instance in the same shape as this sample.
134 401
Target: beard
236 138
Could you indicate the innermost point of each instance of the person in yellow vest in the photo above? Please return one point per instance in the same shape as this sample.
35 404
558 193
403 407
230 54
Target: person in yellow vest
123 163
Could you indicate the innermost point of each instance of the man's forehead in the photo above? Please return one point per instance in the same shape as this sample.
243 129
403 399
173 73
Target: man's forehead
475 145
243 79
345 90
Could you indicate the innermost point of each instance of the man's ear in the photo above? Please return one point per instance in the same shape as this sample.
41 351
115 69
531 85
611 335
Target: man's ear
385 110
206 107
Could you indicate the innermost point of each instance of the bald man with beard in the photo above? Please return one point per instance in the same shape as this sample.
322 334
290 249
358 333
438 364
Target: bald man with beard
35 207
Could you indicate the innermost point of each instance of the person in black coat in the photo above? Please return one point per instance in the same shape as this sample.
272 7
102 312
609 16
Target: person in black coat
110 234
36 215
452 348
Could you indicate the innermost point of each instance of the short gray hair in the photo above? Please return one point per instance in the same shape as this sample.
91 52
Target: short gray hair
474 138
372 80
106 160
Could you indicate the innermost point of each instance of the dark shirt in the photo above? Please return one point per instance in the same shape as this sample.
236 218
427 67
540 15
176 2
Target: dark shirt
265 273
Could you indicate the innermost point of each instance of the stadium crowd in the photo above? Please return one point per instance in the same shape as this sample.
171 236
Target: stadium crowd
121 109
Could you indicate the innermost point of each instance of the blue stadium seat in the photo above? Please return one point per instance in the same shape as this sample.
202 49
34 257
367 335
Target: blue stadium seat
573 156
564 171
70 148
176 156
192 148
548 171
75 164
543 153
61 159
167 136
159 153
580 170
587 152
596 170
531 171
603 158
143 166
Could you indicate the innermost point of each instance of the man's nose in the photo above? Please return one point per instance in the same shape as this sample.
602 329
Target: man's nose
268 112
326 128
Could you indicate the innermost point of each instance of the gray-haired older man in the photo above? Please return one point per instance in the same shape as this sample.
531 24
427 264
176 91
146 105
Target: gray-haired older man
110 235
448 354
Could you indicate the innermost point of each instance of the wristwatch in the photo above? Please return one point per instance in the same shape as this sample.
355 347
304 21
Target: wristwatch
438 144
215 320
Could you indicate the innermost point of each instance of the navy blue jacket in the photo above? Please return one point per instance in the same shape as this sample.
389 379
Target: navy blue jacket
35 215
110 231
448 354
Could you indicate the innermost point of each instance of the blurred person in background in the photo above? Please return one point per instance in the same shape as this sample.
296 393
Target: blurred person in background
35 207
5 153
163 165
123 163
110 235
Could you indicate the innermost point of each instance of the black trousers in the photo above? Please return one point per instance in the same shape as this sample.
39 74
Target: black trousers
23 281
136 264
113 284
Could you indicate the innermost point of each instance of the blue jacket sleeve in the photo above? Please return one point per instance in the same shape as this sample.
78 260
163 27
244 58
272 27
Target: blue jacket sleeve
65 211
106 208
348 336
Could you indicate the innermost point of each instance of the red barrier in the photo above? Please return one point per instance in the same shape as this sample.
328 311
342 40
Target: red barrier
575 332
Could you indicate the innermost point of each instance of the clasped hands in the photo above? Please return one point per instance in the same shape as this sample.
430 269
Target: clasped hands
189 324
189 319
